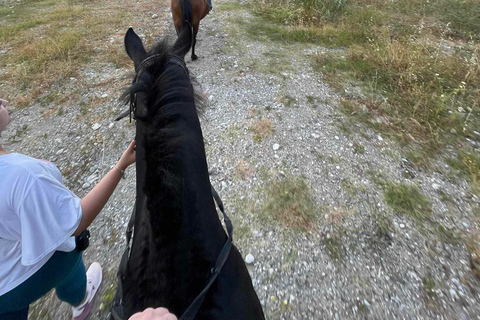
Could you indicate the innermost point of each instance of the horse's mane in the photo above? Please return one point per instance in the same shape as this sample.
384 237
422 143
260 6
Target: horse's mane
170 98
164 91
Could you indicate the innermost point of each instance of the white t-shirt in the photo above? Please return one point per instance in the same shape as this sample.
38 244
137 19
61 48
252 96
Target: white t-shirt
38 215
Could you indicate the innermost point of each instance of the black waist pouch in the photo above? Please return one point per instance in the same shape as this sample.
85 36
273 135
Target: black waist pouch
82 240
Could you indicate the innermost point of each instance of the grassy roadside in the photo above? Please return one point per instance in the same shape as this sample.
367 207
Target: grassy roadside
48 41
410 69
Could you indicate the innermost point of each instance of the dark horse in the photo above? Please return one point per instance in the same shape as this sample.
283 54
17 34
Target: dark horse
178 234
192 11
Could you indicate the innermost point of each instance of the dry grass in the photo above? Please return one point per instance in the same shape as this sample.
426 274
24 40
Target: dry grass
243 170
261 128
50 41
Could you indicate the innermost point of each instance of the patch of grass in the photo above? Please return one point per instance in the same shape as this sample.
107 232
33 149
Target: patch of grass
445 234
261 128
229 6
335 247
288 101
467 165
300 12
383 226
408 199
243 170
334 159
108 296
358 148
351 188
376 177
290 201
334 239
429 286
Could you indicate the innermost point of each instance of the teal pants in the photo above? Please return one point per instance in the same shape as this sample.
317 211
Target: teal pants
64 271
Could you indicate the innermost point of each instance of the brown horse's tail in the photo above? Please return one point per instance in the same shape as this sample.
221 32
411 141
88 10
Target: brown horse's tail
187 14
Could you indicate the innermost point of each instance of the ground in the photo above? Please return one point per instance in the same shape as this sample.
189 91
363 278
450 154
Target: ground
340 224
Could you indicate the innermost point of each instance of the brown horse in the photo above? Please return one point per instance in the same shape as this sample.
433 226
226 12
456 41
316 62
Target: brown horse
192 11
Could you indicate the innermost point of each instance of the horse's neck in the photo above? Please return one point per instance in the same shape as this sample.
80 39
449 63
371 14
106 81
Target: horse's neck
185 211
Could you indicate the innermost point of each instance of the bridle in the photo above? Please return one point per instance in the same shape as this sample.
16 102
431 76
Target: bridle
194 307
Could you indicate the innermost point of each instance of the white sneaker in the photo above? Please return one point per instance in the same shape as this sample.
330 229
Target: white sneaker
94 278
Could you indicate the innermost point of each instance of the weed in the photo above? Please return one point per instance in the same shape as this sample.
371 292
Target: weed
408 200
357 148
467 165
376 177
334 245
429 287
242 170
261 128
108 296
334 159
60 111
288 101
290 201
449 235
351 188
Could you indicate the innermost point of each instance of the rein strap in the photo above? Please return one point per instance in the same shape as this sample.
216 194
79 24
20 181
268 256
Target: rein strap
192 310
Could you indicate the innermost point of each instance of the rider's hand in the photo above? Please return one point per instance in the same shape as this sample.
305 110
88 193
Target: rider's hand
128 157
153 314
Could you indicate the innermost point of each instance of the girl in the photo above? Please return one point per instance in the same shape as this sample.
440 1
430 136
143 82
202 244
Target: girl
39 218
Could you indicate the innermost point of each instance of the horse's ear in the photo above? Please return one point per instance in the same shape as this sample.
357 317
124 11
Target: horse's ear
184 41
134 47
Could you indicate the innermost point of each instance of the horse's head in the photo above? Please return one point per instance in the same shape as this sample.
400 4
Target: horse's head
150 65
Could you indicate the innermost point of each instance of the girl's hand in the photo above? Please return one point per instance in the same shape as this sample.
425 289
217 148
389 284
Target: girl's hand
128 157
153 314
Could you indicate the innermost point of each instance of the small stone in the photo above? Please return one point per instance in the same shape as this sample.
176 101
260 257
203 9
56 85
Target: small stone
316 136
402 226
330 266
249 258
476 133
110 126
475 199
461 110
453 294
379 137
285 302
155 16
210 97
453 131
436 186
276 146
59 152
104 95
337 138
270 271
224 184
86 185
96 126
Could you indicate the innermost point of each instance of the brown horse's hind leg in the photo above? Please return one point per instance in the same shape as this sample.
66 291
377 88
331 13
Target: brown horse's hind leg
195 31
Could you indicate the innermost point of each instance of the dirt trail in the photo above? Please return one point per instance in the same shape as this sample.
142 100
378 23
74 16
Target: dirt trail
271 117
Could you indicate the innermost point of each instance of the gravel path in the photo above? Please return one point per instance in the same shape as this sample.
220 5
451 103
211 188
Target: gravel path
343 267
